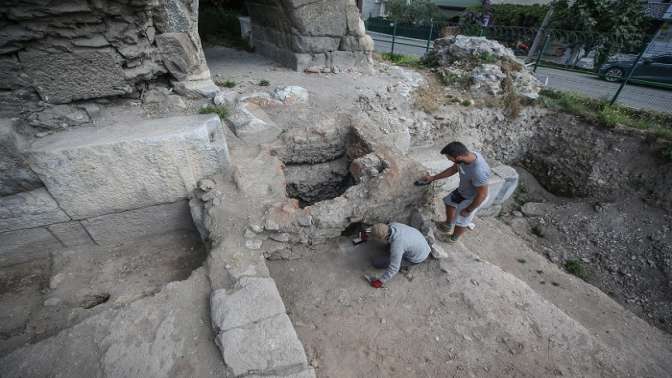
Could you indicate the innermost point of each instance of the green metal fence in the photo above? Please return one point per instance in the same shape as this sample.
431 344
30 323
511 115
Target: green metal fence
569 51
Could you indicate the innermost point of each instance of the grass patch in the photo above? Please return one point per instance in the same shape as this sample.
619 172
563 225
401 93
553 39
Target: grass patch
487 58
603 114
576 268
225 83
451 79
402 60
221 111
264 83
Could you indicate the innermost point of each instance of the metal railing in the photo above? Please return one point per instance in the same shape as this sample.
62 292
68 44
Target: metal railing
565 60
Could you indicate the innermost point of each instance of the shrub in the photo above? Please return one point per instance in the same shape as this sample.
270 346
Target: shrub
264 83
221 111
225 83
576 268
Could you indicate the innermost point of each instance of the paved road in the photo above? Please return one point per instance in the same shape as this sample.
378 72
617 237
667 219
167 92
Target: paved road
636 96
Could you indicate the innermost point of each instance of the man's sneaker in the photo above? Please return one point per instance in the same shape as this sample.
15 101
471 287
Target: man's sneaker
445 227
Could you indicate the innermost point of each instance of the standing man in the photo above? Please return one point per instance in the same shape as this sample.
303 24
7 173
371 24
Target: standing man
462 203
407 247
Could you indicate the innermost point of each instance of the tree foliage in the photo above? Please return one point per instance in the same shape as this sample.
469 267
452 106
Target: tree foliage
613 25
511 14
607 26
413 11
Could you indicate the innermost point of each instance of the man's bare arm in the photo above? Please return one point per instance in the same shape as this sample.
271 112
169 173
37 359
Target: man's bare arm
447 173
481 195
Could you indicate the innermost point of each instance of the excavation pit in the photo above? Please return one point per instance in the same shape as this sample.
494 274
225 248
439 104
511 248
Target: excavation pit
61 287
310 184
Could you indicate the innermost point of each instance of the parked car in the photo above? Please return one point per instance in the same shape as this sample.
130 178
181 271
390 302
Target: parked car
656 68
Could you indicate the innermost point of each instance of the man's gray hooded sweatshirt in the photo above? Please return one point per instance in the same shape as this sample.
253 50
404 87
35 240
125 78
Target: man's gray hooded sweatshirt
406 243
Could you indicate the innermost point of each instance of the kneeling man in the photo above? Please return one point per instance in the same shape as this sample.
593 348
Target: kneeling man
407 247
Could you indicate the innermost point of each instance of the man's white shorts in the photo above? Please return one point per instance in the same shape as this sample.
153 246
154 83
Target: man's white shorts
456 200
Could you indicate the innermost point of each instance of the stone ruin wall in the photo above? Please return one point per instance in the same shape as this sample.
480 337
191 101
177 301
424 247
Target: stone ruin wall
302 33
58 52
58 57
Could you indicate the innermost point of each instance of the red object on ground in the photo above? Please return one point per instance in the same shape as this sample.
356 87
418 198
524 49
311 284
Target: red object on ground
377 284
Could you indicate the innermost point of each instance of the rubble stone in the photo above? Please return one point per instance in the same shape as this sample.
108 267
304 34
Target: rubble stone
291 95
225 97
365 167
535 209
486 63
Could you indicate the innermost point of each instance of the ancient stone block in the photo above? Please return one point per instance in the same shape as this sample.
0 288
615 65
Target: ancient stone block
81 74
352 43
28 210
96 171
177 16
291 95
495 185
253 299
71 234
320 17
350 59
179 54
302 43
16 174
20 246
510 177
139 224
264 347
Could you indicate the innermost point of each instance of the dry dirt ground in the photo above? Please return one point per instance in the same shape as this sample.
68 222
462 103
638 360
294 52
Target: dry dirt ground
463 317
59 288
623 246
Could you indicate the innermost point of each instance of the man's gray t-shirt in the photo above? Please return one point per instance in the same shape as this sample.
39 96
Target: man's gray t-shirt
405 243
473 175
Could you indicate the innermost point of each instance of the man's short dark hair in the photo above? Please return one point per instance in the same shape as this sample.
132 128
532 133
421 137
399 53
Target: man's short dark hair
455 149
